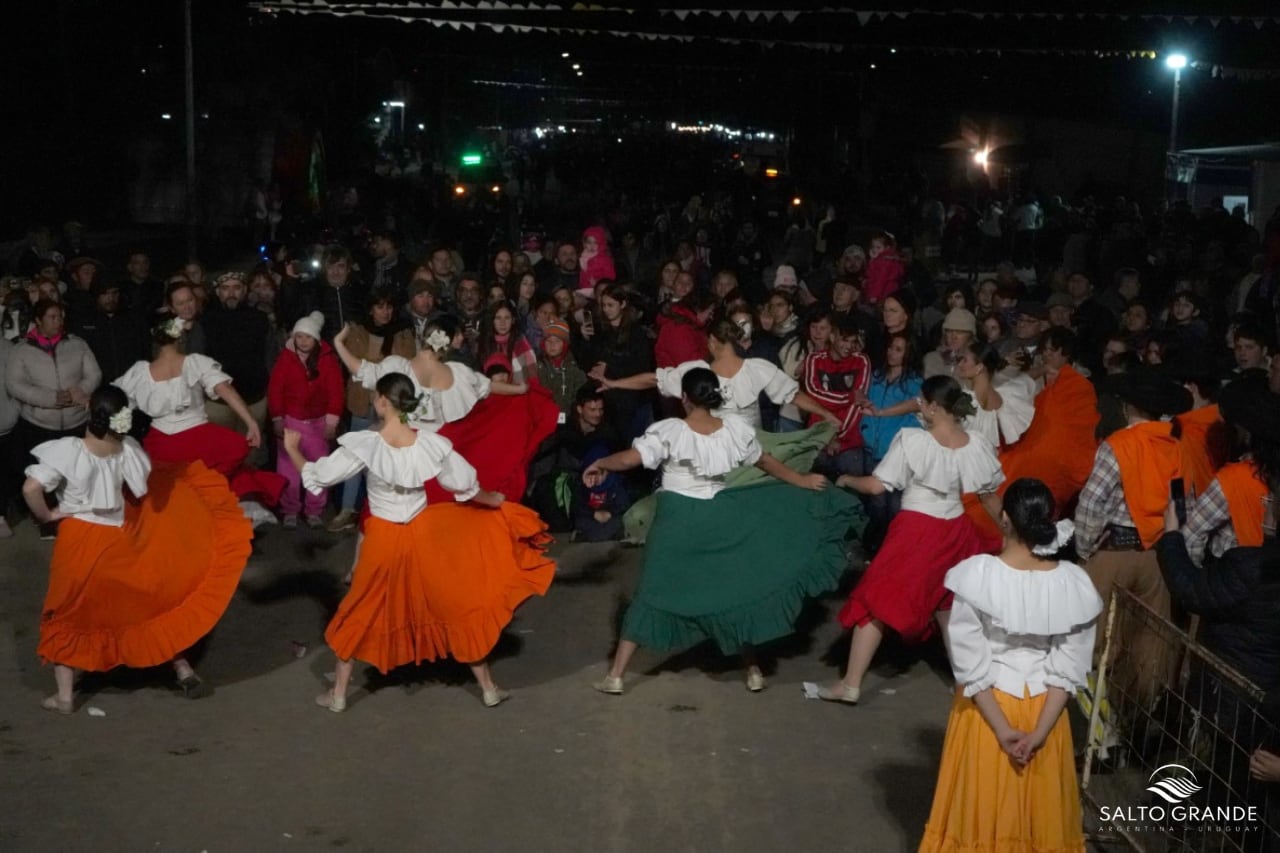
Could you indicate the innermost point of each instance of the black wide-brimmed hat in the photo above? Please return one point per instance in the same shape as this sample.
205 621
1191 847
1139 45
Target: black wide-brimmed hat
1150 391
1249 404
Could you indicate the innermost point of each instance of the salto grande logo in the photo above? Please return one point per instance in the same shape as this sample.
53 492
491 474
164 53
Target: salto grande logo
1172 787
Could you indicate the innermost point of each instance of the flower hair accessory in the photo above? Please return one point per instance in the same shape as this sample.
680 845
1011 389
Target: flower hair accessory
420 404
174 328
1066 529
121 422
438 340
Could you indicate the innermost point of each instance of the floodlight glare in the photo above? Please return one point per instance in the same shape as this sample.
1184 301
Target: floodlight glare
1176 61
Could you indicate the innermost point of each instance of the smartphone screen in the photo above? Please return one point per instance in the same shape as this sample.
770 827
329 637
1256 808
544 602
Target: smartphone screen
1178 494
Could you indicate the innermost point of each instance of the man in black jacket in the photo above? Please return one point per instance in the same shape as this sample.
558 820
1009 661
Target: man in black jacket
391 271
241 339
338 293
116 338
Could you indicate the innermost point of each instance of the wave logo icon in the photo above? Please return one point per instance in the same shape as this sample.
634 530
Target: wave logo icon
1175 787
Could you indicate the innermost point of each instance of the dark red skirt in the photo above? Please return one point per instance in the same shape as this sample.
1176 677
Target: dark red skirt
220 449
902 586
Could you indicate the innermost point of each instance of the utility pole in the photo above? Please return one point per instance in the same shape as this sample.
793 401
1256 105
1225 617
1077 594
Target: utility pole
189 84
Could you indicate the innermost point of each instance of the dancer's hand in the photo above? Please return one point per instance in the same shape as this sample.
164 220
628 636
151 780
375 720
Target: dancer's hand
1012 742
593 476
813 482
252 434
292 440
490 499
341 337
1027 745
1264 766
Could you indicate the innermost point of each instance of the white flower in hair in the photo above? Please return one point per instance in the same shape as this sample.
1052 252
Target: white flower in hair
174 328
122 421
438 340
1065 530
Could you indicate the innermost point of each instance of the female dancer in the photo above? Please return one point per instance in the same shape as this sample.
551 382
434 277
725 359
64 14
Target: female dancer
171 389
730 565
447 391
431 582
742 380
131 582
1021 638
902 587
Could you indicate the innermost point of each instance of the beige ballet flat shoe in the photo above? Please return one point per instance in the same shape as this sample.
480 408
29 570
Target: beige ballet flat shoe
333 703
840 692
609 684
495 697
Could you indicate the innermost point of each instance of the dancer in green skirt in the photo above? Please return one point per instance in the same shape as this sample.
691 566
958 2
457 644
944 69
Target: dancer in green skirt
732 566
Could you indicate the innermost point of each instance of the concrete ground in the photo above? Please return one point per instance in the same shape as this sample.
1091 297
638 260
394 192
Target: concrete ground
687 760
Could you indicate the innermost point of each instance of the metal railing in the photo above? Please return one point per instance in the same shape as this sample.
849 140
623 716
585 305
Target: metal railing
1166 766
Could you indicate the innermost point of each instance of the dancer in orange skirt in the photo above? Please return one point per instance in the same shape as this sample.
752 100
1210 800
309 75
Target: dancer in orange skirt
430 582
1021 639
133 581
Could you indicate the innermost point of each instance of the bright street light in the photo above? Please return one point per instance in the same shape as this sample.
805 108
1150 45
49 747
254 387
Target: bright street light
1176 62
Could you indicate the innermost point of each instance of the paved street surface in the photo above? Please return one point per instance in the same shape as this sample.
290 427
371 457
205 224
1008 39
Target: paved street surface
687 760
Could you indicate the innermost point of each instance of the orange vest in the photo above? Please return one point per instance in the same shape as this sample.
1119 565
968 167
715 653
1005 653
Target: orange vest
1244 492
1204 447
1150 457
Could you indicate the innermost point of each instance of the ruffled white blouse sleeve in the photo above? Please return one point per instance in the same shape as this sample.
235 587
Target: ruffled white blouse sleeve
337 467
1014 629
468 389
202 371
370 372
89 487
670 378
693 464
894 470
771 381
980 470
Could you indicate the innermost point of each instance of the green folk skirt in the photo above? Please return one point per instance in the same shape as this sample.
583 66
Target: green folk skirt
737 568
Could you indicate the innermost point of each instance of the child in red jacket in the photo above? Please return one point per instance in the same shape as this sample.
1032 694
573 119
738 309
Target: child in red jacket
305 394
838 379
885 269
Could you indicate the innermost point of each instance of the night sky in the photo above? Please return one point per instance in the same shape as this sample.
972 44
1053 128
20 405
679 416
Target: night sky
97 76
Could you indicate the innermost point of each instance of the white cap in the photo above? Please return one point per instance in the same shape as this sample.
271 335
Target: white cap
310 325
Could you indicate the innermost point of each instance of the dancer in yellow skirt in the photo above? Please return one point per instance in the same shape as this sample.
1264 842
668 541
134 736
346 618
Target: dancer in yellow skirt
1022 632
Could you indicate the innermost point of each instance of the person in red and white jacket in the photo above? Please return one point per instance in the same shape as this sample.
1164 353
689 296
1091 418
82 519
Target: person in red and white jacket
838 378
305 394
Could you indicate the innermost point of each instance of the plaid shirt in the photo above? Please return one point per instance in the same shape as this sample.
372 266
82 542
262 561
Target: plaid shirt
1101 503
1209 523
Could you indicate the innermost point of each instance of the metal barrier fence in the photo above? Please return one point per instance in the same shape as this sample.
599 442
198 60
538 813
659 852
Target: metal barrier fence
1171 733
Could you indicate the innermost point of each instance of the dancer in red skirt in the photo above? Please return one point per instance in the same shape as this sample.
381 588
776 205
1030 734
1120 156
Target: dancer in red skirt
171 389
902 587
133 581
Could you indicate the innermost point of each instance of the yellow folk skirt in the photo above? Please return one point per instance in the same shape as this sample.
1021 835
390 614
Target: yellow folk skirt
986 804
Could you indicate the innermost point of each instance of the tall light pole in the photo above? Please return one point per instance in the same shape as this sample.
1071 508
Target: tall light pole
1175 62
190 98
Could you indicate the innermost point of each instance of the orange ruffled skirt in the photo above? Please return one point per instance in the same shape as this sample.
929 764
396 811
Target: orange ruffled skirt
140 594
443 585
984 804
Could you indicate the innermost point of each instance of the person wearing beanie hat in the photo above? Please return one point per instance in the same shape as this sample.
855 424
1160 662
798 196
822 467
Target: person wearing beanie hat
784 278
959 328
305 394
1120 514
558 371
1229 512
